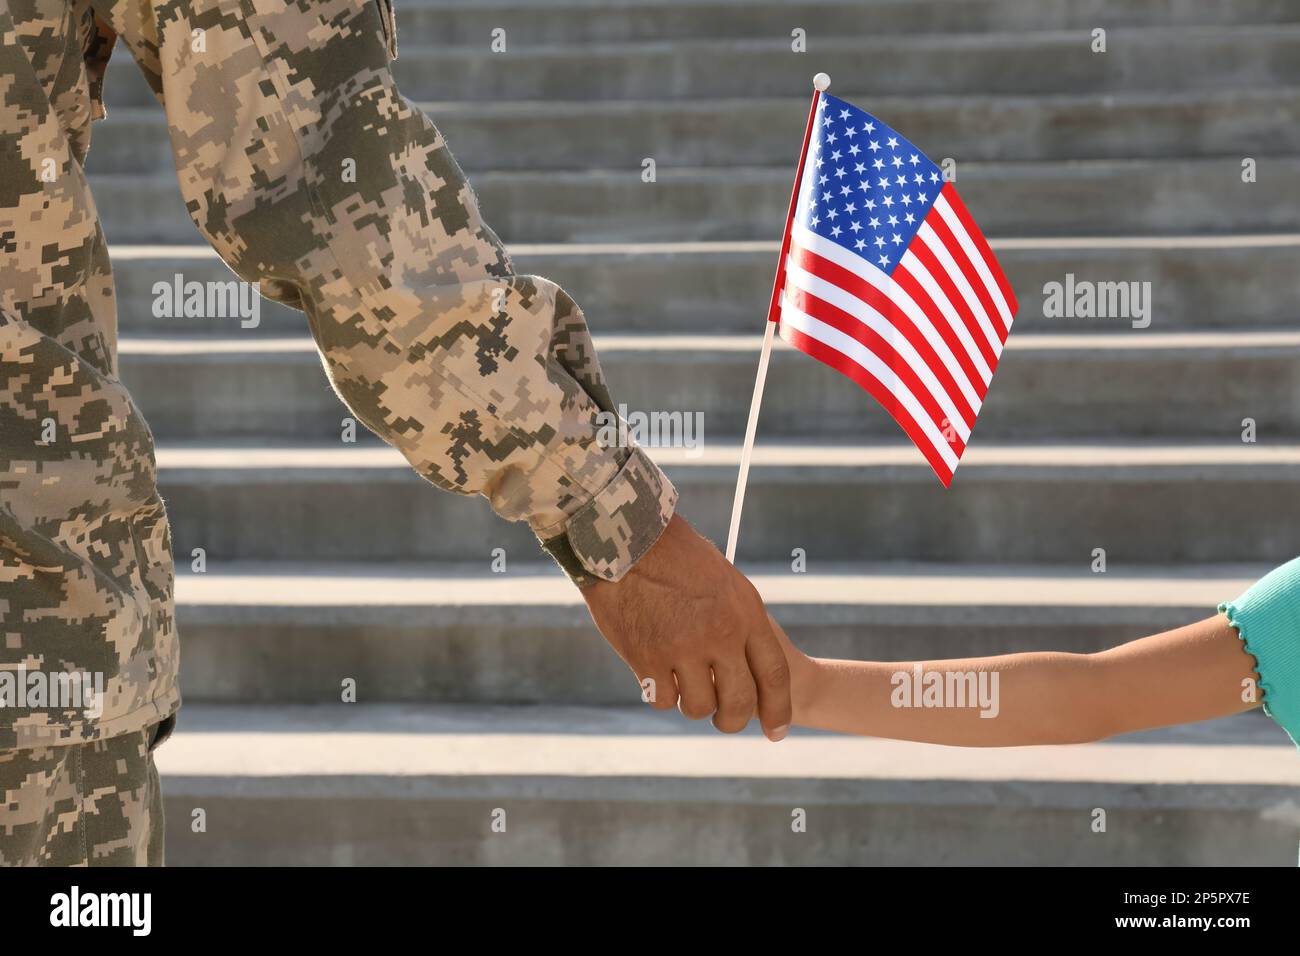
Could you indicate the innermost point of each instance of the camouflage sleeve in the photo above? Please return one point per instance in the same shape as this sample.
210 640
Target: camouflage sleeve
310 174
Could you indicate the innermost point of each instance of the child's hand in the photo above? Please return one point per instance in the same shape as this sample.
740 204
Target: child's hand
803 671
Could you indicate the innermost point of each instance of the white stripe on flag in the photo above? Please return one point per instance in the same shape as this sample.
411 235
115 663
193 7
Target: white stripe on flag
954 223
851 261
940 251
863 356
893 336
917 270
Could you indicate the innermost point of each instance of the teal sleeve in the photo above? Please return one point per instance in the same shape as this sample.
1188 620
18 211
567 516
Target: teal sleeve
1267 619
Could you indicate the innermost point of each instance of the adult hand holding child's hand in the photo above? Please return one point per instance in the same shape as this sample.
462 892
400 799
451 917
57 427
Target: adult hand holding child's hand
696 634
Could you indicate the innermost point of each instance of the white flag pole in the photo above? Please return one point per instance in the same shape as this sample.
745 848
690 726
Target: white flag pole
746 453
821 82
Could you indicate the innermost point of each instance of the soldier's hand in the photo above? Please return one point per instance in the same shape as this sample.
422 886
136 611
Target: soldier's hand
696 634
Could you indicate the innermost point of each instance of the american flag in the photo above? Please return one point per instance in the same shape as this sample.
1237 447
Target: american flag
889 280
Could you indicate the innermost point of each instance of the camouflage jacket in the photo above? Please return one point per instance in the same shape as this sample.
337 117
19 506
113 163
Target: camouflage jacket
484 379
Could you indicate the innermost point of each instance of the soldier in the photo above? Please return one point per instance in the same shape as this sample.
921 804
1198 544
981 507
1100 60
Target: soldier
484 379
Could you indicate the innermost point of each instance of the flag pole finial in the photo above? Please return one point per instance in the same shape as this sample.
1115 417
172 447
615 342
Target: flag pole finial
822 82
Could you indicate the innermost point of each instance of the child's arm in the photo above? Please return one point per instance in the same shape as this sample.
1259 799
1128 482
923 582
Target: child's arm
1193 673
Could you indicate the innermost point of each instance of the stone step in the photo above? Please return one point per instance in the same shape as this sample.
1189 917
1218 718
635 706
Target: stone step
1078 198
1197 282
471 22
707 132
1142 502
293 632
355 784
1047 386
1136 58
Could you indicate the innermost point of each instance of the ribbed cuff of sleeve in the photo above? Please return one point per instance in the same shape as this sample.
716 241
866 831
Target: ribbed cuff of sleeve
1267 619
604 538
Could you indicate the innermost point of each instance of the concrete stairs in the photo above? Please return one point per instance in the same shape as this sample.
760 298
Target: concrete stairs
466 784
277 632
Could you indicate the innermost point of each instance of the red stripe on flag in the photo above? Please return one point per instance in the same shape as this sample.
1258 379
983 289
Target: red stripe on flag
860 288
842 321
973 279
912 286
949 288
949 192
851 369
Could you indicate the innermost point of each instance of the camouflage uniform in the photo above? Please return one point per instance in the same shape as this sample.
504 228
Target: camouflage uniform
311 175
95 804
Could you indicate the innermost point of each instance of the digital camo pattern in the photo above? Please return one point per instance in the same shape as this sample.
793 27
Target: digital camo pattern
310 173
312 176
85 554
92 804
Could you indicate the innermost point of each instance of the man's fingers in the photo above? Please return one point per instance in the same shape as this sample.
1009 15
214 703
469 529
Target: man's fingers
658 689
734 688
695 685
772 681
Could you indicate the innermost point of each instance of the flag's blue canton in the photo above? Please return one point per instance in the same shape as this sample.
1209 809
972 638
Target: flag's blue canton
864 186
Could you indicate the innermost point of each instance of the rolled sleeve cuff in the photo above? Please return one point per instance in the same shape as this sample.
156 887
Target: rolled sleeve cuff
604 538
1267 619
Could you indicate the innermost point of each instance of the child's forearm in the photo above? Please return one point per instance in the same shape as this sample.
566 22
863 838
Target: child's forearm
1014 700
1193 673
